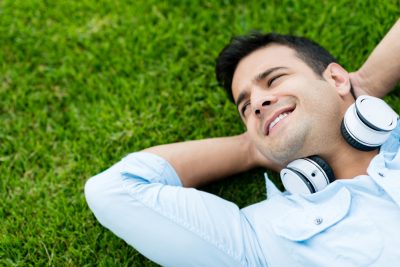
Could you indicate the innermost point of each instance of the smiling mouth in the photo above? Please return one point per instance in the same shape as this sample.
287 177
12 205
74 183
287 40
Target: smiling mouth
270 125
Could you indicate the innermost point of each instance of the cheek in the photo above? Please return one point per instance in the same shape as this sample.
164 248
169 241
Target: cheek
318 97
251 123
252 127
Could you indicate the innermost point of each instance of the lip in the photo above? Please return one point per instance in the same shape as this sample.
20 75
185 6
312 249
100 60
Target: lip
275 115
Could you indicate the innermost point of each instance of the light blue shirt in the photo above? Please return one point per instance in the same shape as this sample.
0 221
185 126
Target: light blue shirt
354 222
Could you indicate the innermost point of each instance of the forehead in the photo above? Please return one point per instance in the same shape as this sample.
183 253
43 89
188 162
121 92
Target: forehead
270 56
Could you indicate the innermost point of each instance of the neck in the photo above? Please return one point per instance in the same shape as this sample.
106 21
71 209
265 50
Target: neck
348 162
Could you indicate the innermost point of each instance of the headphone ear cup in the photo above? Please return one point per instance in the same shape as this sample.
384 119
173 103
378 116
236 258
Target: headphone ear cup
307 175
368 122
325 167
353 142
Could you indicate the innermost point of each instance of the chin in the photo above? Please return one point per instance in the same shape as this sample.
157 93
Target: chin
289 148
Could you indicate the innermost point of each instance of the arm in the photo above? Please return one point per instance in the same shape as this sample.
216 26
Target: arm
204 161
380 73
141 201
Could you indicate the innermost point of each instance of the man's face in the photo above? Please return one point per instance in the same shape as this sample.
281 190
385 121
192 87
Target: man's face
289 111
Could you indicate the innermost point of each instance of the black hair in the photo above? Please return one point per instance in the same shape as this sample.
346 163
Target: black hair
314 55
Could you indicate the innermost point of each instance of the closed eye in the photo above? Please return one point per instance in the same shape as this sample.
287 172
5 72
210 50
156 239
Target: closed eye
274 78
244 108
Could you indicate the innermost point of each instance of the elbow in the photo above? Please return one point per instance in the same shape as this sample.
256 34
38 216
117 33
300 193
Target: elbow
95 194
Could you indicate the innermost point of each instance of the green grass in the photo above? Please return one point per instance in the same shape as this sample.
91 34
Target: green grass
83 83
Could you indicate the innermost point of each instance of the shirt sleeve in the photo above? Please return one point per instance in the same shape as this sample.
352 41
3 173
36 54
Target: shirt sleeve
141 200
150 167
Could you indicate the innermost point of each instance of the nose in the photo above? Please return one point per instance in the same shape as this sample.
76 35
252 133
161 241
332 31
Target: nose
262 103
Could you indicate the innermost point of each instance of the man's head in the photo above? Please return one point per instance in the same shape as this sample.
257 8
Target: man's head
289 91
315 56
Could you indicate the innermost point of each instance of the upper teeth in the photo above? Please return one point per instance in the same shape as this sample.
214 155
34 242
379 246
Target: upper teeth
277 119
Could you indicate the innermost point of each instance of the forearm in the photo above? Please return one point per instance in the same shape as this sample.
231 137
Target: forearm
381 72
204 161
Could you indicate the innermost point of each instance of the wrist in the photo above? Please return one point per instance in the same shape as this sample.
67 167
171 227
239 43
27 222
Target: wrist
363 81
248 151
254 157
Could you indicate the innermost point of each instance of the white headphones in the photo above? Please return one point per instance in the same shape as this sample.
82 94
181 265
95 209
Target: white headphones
368 122
366 125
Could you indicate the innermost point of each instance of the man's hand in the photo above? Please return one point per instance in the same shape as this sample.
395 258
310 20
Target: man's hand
359 87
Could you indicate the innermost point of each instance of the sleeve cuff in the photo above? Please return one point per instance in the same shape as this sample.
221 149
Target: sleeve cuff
150 167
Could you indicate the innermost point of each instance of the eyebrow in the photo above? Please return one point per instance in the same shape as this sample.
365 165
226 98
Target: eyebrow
244 94
267 72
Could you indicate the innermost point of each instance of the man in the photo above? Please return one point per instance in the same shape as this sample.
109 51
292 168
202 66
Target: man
292 96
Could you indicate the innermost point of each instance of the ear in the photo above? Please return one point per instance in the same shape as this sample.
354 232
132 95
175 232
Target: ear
339 78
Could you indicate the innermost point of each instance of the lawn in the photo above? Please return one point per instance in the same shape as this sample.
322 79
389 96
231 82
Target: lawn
83 83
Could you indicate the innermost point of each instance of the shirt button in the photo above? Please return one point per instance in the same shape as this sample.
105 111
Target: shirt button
318 220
